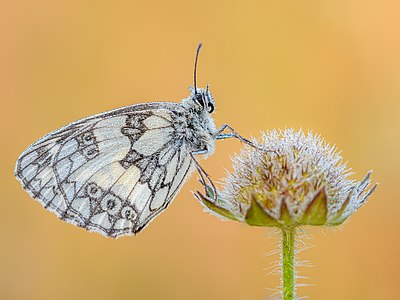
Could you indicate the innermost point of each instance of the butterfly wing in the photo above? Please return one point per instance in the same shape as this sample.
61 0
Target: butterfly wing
111 173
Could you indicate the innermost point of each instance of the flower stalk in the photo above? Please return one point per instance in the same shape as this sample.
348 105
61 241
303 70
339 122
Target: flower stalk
288 263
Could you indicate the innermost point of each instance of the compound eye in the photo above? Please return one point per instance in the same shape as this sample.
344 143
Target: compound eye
210 107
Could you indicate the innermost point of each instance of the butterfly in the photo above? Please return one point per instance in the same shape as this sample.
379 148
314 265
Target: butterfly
114 172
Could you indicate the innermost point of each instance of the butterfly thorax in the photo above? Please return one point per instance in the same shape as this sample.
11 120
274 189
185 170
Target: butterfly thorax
196 125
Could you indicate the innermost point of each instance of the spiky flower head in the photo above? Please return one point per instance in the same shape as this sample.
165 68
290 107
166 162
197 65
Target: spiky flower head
288 179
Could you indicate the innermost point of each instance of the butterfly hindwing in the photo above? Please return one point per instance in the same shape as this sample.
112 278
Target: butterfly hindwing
111 173
165 182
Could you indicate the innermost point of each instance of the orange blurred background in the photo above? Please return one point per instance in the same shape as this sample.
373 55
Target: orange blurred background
329 66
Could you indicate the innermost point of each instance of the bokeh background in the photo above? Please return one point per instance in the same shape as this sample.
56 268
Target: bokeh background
329 66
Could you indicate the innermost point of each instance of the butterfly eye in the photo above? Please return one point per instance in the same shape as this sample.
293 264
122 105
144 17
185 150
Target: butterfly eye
210 107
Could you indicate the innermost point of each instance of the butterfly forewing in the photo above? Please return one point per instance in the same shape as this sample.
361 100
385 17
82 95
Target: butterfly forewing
111 173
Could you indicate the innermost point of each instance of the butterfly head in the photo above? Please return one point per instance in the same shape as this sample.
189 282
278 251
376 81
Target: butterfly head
203 99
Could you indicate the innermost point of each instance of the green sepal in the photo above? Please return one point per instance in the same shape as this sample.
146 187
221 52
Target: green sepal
256 216
337 220
213 207
316 212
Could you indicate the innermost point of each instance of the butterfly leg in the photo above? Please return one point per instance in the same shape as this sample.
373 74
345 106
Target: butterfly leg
203 174
220 135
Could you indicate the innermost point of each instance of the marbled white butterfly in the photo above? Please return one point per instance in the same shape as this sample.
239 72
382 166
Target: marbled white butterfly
112 173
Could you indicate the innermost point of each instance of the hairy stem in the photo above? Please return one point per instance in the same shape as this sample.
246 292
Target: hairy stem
288 273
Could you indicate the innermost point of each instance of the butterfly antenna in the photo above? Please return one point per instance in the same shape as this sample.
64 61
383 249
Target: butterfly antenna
195 68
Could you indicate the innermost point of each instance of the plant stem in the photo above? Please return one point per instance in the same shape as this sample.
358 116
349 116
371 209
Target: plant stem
287 256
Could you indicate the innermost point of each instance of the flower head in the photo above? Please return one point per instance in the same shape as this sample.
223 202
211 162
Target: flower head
288 179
